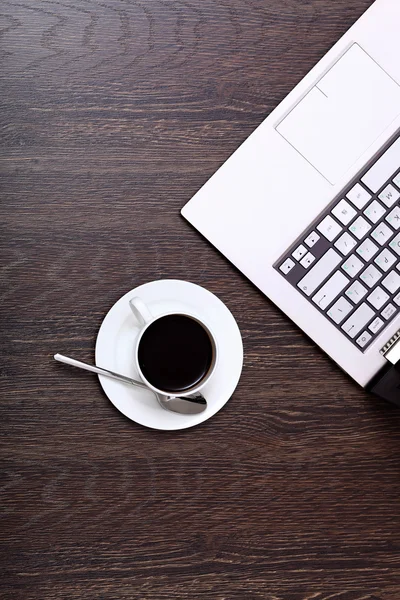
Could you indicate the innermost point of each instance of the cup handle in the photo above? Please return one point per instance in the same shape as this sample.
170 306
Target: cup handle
140 310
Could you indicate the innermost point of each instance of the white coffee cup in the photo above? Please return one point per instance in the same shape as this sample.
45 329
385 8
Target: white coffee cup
146 320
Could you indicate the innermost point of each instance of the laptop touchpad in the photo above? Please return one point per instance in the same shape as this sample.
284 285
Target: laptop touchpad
343 114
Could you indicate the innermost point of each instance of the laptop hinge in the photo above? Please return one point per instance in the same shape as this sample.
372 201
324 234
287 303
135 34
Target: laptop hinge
386 384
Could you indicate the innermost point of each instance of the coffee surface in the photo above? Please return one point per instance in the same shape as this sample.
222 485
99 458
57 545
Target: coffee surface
175 353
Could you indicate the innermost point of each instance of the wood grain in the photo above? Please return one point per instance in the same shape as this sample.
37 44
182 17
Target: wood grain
113 113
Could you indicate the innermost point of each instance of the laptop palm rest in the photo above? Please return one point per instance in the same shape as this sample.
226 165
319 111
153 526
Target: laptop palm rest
343 114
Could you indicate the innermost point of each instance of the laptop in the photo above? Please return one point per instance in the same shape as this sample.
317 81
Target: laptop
308 207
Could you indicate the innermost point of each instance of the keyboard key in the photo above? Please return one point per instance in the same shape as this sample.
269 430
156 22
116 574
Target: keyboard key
360 227
340 310
395 244
312 239
345 243
378 298
329 228
358 320
358 196
383 168
367 249
344 212
363 339
396 299
352 266
299 252
388 312
396 180
320 271
374 211
376 325
371 276
382 234
287 266
394 217
330 290
385 260
389 195
356 292
392 282
307 260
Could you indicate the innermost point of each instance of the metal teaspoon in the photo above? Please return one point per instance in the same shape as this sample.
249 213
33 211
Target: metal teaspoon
184 405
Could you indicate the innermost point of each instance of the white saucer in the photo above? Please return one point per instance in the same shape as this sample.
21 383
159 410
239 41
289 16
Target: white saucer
115 351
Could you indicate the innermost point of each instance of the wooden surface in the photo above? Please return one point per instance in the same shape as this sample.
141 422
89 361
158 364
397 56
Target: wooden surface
113 114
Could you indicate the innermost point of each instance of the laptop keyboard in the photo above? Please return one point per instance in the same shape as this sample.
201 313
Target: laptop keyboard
347 263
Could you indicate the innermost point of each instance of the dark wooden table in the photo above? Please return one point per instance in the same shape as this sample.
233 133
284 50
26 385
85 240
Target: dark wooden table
113 114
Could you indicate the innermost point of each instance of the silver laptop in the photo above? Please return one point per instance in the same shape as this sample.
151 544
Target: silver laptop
308 207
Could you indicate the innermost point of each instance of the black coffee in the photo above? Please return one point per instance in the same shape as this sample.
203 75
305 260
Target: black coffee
175 353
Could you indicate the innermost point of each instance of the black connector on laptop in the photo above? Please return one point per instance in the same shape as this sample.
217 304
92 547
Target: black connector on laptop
386 383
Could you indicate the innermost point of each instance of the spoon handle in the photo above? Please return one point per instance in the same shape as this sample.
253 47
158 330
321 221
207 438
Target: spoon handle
99 371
